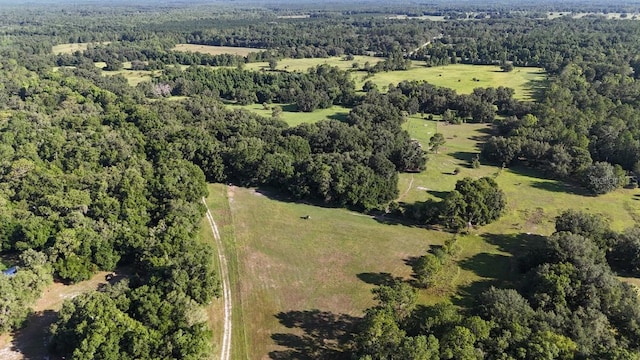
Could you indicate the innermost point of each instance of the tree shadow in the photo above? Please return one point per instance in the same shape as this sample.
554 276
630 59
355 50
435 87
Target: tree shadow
439 194
377 279
559 187
537 87
499 270
518 245
484 134
340 116
465 156
289 107
467 296
31 341
324 335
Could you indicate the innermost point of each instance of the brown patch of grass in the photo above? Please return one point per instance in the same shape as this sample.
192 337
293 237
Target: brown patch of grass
215 50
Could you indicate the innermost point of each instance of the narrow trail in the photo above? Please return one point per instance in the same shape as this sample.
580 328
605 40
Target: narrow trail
225 353
408 189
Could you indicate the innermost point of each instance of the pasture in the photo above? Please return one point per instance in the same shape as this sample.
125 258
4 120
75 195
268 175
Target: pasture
461 77
464 78
293 117
215 50
305 64
298 276
70 48
134 77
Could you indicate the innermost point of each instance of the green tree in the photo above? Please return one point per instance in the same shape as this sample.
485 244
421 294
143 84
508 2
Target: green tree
547 345
458 344
436 141
602 177
473 202
426 268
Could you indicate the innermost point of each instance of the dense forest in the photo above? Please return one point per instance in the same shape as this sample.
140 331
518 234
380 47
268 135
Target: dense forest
96 174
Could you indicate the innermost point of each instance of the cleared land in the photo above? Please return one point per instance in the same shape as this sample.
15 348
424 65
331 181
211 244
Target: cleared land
30 342
70 48
215 50
304 64
134 77
301 276
461 77
464 78
293 117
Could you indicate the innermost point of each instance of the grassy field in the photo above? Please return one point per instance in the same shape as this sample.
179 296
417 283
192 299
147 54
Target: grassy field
215 50
304 64
134 77
70 48
296 277
460 77
289 265
293 117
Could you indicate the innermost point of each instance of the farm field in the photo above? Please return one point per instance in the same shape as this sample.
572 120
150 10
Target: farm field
296 274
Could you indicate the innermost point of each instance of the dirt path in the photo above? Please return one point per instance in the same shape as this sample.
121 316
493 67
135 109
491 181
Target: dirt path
225 353
408 189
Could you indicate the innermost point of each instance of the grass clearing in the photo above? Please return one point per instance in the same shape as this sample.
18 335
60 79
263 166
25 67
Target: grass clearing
525 81
460 77
305 64
70 48
293 272
288 264
215 50
134 77
27 343
293 117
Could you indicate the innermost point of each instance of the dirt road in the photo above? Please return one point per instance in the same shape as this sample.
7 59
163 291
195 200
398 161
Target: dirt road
225 353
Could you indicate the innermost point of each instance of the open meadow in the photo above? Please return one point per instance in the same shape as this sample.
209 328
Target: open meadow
293 117
215 50
296 276
70 48
464 78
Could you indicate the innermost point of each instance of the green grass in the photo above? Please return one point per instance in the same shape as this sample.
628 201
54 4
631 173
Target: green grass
286 264
460 77
525 81
134 77
294 118
218 202
526 189
290 264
